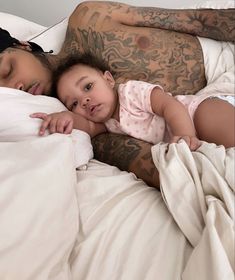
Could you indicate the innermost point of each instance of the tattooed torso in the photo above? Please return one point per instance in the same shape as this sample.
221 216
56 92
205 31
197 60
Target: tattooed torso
135 43
172 59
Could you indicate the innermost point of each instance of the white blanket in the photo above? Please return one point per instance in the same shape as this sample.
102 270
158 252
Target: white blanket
198 189
103 224
126 231
38 208
16 124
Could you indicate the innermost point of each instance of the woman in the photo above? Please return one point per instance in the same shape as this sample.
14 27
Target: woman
151 44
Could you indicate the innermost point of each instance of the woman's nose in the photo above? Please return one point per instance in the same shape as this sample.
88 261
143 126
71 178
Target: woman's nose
14 84
19 85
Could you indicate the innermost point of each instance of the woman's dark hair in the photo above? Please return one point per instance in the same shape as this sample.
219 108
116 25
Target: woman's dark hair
7 41
69 62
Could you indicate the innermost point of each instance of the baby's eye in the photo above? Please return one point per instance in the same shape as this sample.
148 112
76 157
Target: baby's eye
88 87
73 106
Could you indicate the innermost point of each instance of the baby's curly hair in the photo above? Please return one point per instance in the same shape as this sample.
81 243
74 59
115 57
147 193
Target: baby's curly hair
69 62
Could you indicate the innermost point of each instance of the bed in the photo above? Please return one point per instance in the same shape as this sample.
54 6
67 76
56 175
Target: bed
64 215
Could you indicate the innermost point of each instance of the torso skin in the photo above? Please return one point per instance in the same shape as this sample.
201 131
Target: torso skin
169 58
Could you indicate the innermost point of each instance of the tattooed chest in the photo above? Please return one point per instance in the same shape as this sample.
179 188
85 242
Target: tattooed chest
169 59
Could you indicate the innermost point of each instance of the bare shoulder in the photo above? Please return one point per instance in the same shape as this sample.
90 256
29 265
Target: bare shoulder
93 12
134 47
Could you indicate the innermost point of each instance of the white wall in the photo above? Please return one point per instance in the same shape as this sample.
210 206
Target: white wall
48 12
162 3
45 12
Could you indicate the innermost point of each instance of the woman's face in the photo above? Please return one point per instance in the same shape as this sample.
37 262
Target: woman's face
22 70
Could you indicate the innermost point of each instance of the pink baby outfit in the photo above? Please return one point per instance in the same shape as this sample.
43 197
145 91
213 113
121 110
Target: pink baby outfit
136 116
135 113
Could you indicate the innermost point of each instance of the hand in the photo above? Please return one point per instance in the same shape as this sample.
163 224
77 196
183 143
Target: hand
61 122
192 141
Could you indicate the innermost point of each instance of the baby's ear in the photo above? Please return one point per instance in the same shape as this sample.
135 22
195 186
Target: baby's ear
109 77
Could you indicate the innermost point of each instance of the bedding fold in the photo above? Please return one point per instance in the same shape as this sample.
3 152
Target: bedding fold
39 214
125 229
198 189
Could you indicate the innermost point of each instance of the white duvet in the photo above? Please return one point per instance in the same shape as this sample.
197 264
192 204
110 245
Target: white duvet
198 189
17 125
101 223
38 208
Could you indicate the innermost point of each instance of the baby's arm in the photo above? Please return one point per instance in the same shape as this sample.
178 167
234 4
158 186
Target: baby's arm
176 116
92 128
64 122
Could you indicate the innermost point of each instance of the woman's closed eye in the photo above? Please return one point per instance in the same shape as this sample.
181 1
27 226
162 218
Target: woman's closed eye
7 72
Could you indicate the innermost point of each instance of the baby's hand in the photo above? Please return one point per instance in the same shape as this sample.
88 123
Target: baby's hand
61 122
192 141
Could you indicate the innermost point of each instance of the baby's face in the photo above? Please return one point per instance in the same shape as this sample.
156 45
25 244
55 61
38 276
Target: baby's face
88 92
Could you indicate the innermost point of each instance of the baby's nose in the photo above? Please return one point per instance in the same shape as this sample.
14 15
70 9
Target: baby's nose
85 102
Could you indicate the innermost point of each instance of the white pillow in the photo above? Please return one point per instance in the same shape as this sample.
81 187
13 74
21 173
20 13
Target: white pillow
19 27
214 4
17 125
51 38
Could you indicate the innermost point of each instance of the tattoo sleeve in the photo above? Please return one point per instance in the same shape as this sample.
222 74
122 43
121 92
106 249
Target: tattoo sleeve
210 23
127 154
218 24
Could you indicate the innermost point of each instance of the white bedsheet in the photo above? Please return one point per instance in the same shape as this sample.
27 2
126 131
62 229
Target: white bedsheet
16 124
38 208
104 224
101 223
126 231
198 188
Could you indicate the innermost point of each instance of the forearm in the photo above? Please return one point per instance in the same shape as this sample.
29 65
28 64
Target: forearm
218 24
92 128
178 119
173 112
127 154
210 23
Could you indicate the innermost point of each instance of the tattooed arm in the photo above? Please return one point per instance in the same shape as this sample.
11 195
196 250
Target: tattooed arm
127 154
210 23
218 24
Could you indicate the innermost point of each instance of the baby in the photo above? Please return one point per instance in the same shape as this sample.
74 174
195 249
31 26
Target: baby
142 110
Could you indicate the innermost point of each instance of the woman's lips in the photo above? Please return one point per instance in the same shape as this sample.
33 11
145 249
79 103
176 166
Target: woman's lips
35 89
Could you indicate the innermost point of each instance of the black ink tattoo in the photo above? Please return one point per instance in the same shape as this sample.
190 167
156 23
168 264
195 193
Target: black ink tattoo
127 154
